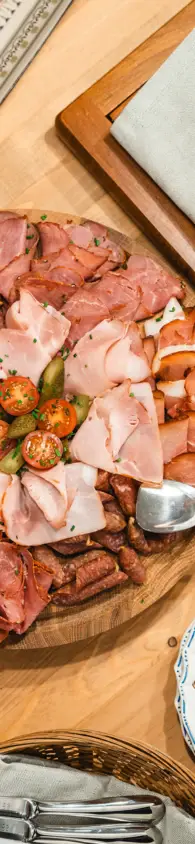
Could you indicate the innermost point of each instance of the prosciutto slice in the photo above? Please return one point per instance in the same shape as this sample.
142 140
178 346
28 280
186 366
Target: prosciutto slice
121 434
25 521
117 347
33 336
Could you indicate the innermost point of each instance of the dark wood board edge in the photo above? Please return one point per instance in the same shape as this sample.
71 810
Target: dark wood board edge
85 128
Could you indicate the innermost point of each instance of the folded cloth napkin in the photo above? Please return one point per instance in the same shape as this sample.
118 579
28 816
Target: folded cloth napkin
158 126
62 783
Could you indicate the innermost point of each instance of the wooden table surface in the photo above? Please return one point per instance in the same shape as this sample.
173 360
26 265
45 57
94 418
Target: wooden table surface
121 682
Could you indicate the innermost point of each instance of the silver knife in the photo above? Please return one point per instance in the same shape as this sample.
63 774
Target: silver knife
22 830
137 809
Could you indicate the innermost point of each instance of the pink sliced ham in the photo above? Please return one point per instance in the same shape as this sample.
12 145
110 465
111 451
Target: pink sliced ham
48 490
61 258
53 237
117 347
33 336
156 284
174 436
9 274
25 522
48 289
121 434
84 311
12 239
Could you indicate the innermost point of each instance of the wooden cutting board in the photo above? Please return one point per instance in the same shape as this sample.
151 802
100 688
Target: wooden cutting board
61 626
85 127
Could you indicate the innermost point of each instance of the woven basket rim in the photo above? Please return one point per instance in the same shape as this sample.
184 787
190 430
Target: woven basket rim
59 737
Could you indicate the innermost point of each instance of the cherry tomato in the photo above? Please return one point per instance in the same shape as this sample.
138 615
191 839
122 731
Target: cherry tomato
57 416
18 395
3 430
42 450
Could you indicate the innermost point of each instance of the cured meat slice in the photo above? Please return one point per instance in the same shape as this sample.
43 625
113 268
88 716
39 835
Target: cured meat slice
46 557
172 390
121 434
174 436
17 267
36 597
12 239
118 348
48 491
173 311
159 401
34 334
181 469
191 432
26 523
11 586
63 258
84 311
156 284
91 572
53 237
175 365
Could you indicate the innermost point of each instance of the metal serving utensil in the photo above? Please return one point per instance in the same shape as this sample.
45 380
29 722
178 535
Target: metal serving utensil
18 829
166 509
137 809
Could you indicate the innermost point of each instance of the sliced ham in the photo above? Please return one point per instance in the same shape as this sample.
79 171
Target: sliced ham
119 351
174 436
84 312
54 292
26 523
190 385
118 295
175 365
179 332
53 237
91 261
149 349
181 469
9 274
173 311
12 239
156 284
34 334
96 229
172 390
159 401
191 432
121 435
63 258
48 490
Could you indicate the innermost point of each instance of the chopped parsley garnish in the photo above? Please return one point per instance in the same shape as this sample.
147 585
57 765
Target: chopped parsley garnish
75 355
35 413
43 216
118 460
41 417
86 365
27 250
30 398
45 304
171 310
91 336
71 241
57 452
96 241
28 225
158 318
35 340
64 352
124 266
16 571
51 460
1 360
72 528
29 236
6 356
131 394
12 371
142 601
19 401
16 450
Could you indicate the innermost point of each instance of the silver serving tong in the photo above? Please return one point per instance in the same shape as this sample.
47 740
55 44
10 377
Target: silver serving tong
18 829
137 809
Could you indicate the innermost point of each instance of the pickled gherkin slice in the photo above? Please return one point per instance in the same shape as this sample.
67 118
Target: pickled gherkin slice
81 404
66 457
12 461
52 380
22 425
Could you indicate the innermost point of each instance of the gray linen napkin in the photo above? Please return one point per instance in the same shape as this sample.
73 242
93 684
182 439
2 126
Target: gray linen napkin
158 126
62 783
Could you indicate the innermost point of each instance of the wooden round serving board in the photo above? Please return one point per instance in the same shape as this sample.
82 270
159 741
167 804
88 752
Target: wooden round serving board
58 626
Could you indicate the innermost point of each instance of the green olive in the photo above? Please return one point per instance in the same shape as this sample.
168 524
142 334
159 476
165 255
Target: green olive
12 461
66 450
22 425
52 381
81 404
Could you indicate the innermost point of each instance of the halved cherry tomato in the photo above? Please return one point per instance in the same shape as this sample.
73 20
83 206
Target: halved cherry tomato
18 395
57 416
3 430
42 450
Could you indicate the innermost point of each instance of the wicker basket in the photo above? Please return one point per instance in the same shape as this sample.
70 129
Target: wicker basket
131 762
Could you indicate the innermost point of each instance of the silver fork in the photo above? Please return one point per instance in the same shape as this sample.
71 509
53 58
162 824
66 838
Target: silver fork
137 809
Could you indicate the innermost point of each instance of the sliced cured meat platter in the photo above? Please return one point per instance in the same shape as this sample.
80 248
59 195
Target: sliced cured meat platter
59 624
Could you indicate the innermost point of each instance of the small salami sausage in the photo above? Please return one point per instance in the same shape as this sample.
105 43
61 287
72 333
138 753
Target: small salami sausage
160 542
132 565
92 571
113 506
105 497
114 522
112 541
103 481
125 490
74 545
68 595
50 562
148 544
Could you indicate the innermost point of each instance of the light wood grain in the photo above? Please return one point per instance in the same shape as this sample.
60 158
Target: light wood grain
121 682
